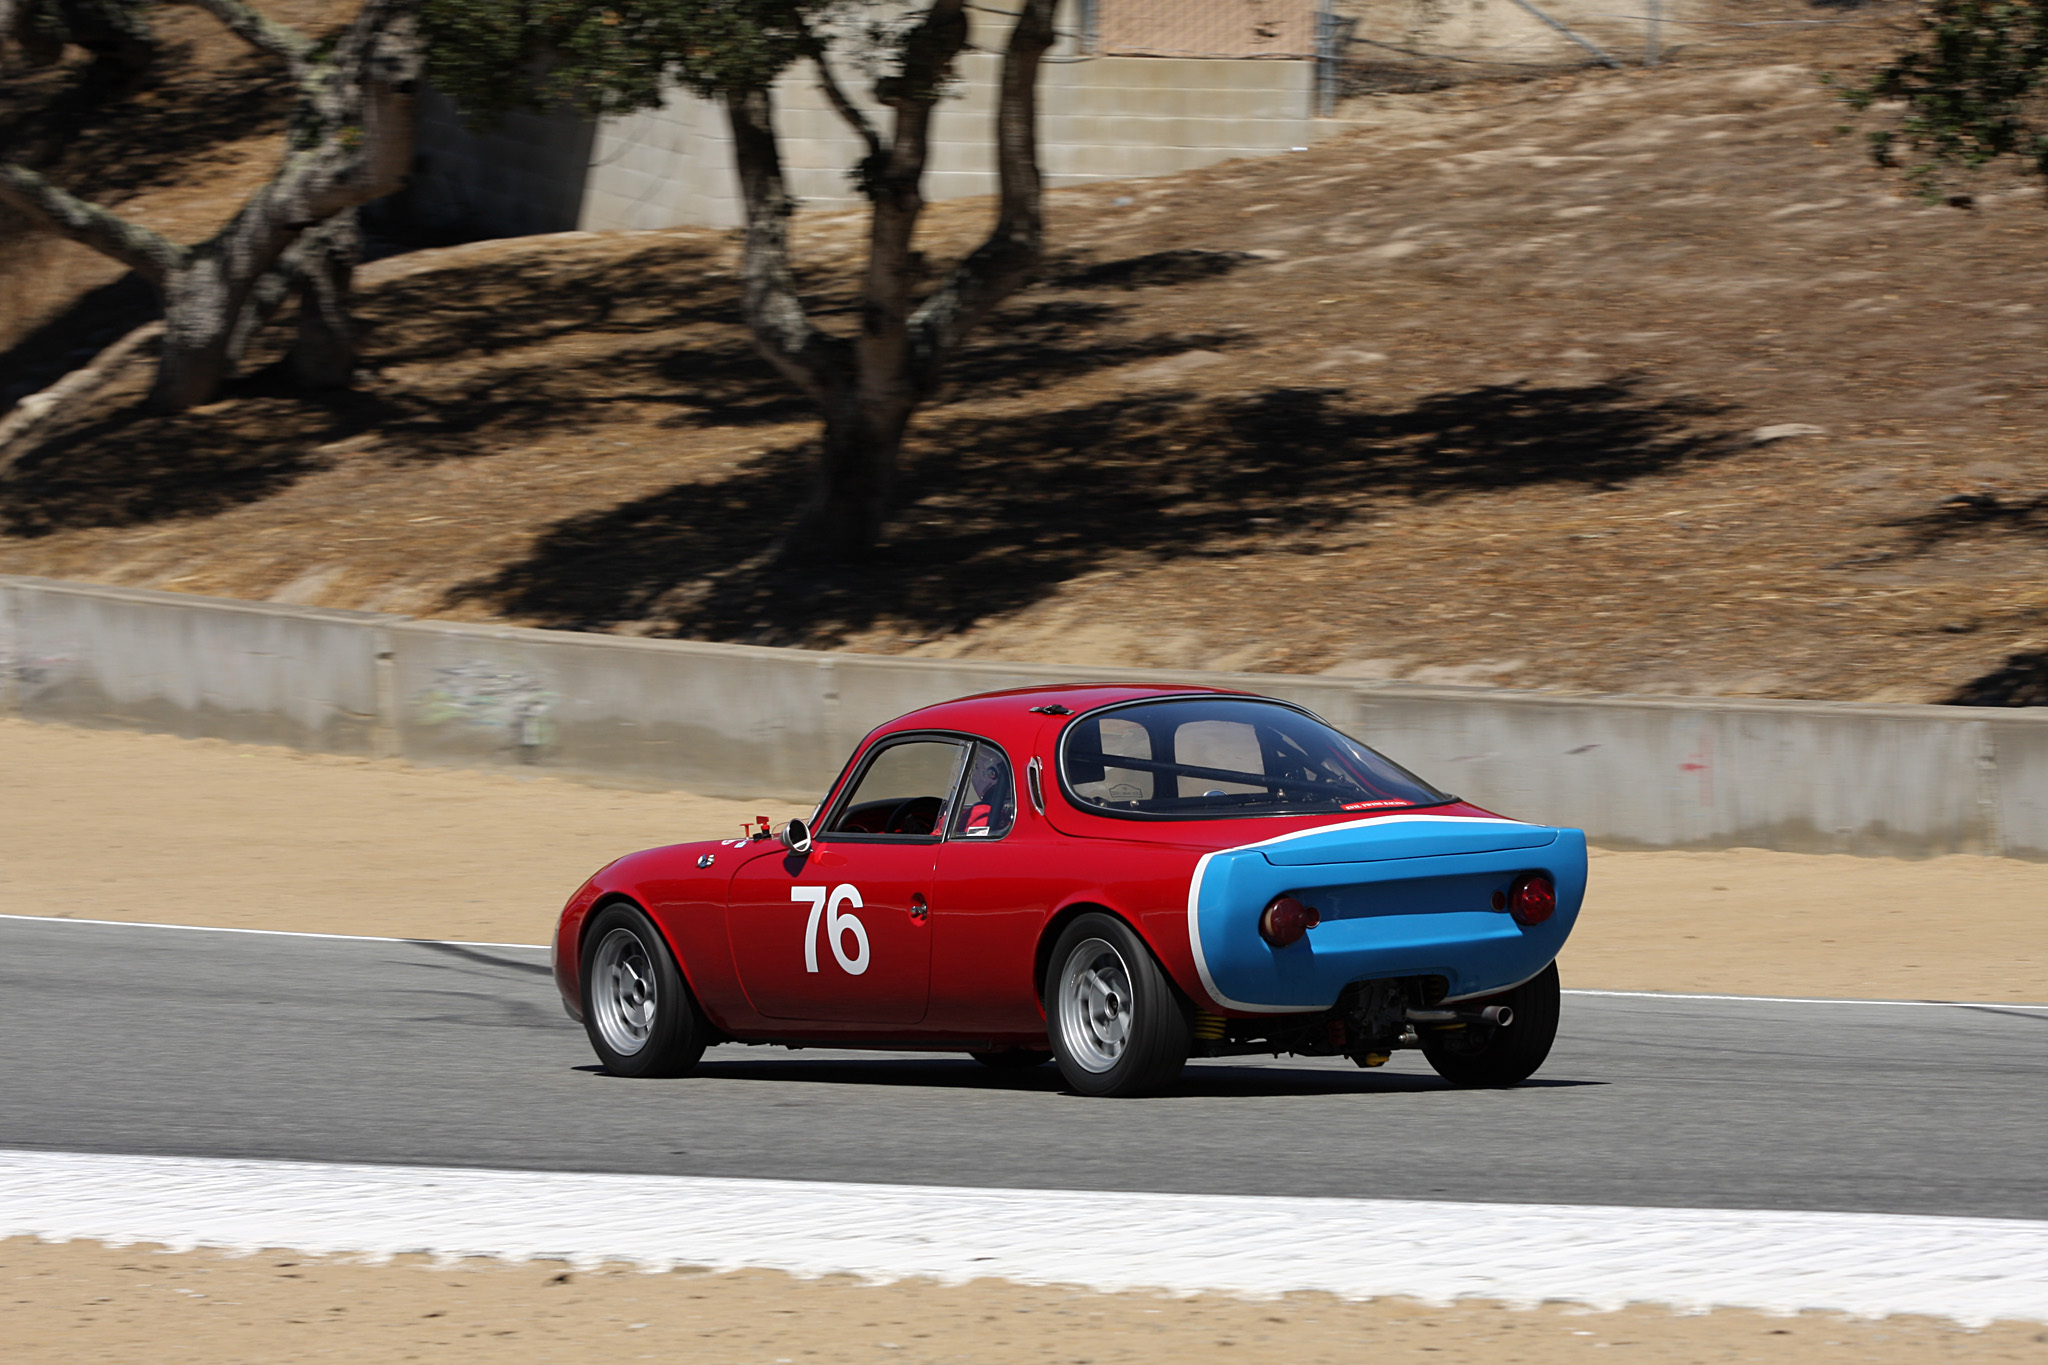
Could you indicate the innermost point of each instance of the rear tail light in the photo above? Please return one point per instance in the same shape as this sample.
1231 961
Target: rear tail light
1532 899
1285 920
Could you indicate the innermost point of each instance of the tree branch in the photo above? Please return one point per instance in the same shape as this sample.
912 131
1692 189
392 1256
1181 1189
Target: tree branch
148 253
783 332
829 83
894 181
928 53
33 413
259 32
1007 259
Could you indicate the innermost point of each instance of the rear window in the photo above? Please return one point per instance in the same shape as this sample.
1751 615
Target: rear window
1206 758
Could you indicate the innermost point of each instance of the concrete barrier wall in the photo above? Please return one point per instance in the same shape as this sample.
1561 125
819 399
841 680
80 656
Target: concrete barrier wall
307 677
741 721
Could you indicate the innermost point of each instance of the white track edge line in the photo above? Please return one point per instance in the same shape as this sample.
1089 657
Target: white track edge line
544 947
274 933
1809 1000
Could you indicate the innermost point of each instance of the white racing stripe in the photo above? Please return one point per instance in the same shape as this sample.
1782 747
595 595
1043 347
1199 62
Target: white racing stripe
1973 1270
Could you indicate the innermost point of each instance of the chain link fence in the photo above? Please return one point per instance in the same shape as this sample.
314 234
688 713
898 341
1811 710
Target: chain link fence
1204 28
1375 46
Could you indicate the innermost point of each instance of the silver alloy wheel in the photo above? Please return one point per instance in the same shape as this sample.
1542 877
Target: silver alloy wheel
622 994
1095 1005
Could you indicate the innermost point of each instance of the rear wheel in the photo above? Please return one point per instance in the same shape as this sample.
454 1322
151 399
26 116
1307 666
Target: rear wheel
637 1009
1482 1055
1117 1027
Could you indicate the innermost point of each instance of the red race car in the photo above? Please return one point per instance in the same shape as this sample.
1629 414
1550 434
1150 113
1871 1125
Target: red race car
1113 877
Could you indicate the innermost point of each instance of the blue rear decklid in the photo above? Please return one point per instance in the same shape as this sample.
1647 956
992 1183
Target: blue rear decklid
1372 841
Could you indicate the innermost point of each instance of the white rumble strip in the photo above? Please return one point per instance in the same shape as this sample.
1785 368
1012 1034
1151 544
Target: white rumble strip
1972 1270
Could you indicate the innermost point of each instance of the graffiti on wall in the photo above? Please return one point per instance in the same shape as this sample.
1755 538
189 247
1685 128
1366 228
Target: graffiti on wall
482 696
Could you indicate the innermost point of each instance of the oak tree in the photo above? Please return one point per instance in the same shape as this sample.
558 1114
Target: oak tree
349 141
1967 91
614 55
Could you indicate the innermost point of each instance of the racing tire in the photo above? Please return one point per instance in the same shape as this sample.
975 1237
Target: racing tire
637 1009
1118 1027
1479 1057
1012 1059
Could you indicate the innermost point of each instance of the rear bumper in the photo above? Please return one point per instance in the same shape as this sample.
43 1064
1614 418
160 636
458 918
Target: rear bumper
1382 918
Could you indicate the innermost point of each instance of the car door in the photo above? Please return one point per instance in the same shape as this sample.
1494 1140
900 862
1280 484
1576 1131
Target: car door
988 904
842 934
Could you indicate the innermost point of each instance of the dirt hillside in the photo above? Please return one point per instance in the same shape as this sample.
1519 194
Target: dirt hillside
1614 381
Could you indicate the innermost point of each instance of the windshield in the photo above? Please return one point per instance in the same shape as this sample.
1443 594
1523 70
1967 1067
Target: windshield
1203 757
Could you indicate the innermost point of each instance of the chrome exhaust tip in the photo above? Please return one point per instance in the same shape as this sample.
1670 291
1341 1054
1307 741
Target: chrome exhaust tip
1500 1016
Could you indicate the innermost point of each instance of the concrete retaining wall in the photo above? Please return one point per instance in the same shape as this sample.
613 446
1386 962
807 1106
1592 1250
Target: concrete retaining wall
735 720
307 677
1202 95
1113 118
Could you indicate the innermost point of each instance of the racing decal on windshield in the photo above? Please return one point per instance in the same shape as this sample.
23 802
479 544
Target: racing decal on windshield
825 907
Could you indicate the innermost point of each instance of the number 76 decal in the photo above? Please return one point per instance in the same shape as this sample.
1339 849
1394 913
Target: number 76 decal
836 925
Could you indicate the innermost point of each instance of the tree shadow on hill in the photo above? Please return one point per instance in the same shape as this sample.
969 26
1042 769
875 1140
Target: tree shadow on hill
482 306
477 395
995 513
126 466
121 465
1969 514
2022 680
115 143
97 319
1183 265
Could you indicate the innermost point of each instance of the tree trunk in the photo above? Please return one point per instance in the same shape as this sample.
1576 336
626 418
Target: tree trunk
201 306
864 437
868 392
18 429
855 486
321 269
324 356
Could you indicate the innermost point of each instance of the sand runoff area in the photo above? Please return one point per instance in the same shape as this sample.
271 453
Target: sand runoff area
115 825
79 1302
122 826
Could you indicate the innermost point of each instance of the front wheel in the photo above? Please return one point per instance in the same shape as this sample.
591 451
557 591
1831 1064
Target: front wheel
637 1009
1117 1027
1481 1055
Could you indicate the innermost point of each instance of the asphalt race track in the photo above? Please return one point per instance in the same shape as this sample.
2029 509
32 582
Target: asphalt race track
199 1043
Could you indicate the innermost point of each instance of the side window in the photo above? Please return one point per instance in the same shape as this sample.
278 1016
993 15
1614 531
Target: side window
988 799
903 791
1091 761
1226 744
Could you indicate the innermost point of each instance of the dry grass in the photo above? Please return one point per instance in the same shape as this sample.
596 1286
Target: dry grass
1471 394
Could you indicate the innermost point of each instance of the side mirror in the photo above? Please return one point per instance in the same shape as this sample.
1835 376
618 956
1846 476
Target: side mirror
796 836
